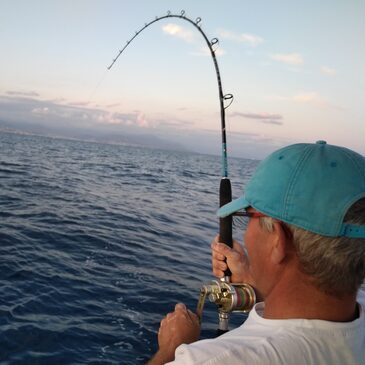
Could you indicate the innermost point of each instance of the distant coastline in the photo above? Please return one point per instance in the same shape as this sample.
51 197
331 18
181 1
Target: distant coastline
143 140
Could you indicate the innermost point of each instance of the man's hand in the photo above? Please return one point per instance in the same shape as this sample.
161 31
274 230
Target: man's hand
178 327
235 258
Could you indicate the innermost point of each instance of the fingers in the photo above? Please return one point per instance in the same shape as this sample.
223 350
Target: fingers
219 249
220 253
180 306
219 267
224 257
218 259
180 311
180 326
166 319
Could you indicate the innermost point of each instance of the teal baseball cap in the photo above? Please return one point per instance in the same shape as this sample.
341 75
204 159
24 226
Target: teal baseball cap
309 185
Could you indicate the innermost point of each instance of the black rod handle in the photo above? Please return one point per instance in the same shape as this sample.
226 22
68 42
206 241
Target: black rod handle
225 224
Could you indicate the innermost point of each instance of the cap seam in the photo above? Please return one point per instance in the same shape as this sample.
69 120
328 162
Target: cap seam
307 152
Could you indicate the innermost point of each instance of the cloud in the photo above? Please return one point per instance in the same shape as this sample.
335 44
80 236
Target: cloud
179 32
141 121
135 119
175 123
288 58
66 115
267 118
188 36
250 39
42 110
240 144
204 51
112 105
79 103
310 97
22 93
102 117
50 112
245 134
53 110
47 117
328 71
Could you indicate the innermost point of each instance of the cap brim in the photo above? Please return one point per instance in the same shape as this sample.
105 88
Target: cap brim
233 206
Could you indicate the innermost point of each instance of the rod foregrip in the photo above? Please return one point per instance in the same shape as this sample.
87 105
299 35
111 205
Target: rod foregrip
225 224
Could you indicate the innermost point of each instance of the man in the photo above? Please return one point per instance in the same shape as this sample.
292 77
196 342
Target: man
305 243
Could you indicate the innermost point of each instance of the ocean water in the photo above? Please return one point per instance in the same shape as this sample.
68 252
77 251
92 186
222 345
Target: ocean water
98 242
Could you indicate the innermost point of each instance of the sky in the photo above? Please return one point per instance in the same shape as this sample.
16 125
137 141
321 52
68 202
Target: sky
295 69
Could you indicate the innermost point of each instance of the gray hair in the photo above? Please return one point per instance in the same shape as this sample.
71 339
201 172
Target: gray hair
336 265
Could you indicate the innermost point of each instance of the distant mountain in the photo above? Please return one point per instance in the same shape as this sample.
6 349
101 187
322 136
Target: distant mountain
95 135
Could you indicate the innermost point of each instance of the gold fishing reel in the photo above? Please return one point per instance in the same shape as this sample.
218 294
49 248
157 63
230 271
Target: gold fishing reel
229 297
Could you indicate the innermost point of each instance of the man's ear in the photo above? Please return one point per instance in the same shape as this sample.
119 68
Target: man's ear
279 244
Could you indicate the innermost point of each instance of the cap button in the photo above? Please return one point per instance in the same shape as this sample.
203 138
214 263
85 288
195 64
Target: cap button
321 142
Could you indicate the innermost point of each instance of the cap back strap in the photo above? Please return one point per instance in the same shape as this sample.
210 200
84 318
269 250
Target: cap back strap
352 231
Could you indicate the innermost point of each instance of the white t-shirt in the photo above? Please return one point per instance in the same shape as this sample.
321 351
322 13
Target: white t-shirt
262 341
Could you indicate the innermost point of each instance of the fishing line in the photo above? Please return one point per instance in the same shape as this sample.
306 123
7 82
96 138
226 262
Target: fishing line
97 86
225 191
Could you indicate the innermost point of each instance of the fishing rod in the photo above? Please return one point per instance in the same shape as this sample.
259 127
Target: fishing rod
226 295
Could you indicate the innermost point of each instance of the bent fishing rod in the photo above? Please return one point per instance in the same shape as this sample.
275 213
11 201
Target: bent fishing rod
226 295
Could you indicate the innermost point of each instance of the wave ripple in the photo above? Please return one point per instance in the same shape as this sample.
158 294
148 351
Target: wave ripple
98 242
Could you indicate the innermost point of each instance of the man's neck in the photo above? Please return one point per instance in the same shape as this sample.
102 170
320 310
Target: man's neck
300 299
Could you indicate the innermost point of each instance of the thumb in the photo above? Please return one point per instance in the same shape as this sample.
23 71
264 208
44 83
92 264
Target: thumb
233 255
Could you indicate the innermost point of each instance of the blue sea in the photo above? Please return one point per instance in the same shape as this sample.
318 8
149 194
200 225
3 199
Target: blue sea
98 242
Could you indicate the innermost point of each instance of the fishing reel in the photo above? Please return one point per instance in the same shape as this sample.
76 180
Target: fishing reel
228 297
